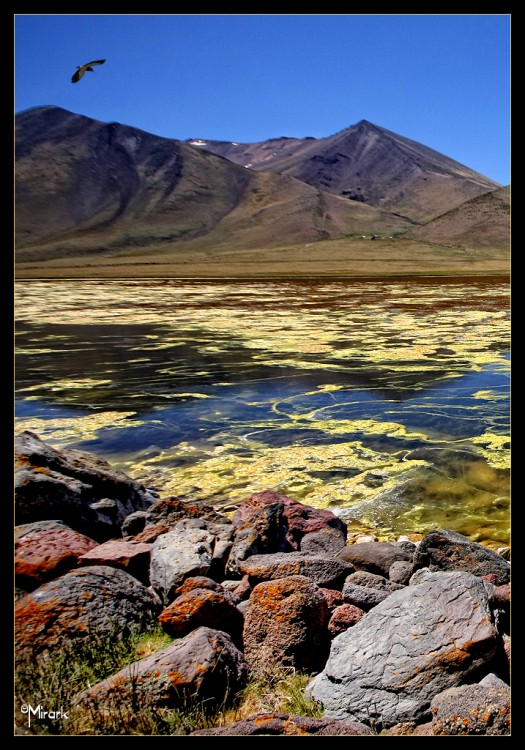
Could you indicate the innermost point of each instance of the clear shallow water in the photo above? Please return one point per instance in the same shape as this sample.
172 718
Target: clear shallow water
386 401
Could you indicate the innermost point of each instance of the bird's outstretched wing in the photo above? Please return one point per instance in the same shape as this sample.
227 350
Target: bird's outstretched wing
81 69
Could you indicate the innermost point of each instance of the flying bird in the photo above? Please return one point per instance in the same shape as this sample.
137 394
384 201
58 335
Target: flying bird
81 69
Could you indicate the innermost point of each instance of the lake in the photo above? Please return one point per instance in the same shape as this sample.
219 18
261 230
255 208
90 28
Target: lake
386 401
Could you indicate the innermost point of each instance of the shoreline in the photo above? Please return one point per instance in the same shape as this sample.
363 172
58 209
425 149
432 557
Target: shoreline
489 275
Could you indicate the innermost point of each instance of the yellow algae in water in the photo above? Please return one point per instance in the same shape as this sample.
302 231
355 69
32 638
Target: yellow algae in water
363 426
489 395
77 384
495 449
297 469
63 430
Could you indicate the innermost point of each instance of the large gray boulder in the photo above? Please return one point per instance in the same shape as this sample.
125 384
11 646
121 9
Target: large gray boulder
195 547
418 642
448 550
83 491
91 602
203 666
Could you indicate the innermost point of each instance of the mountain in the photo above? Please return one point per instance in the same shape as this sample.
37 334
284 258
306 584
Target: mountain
103 189
365 163
106 199
483 221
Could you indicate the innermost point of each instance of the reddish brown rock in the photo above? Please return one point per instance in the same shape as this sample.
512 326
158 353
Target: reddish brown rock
343 617
198 582
333 598
285 625
203 666
202 607
45 550
131 556
284 724
299 518
501 595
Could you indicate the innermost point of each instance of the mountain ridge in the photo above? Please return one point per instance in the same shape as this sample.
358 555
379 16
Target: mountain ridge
107 195
368 163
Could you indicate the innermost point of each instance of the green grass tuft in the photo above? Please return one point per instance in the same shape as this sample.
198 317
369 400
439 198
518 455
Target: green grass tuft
54 682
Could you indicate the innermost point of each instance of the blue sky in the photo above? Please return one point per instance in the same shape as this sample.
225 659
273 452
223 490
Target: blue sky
442 80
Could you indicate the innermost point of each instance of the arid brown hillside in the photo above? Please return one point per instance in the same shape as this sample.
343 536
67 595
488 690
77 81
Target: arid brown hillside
105 199
85 187
365 163
483 221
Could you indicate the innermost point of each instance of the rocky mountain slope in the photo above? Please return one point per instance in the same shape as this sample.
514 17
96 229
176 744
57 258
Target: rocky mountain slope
365 163
481 221
88 187
109 199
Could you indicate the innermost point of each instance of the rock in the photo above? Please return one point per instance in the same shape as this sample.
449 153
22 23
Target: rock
131 556
333 598
300 519
492 680
364 538
238 590
326 572
448 550
407 728
98 601
504 552
326 542
344 617
372 581
198 582
134 523
420 641
363 596
70 485
188 550
501 595
482 709
400 572
165 514
263 532
203 666
285 625
407 545
283 724
202 607
45 550
376 557
243 607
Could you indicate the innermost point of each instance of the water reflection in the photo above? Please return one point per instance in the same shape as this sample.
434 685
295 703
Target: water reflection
385 400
